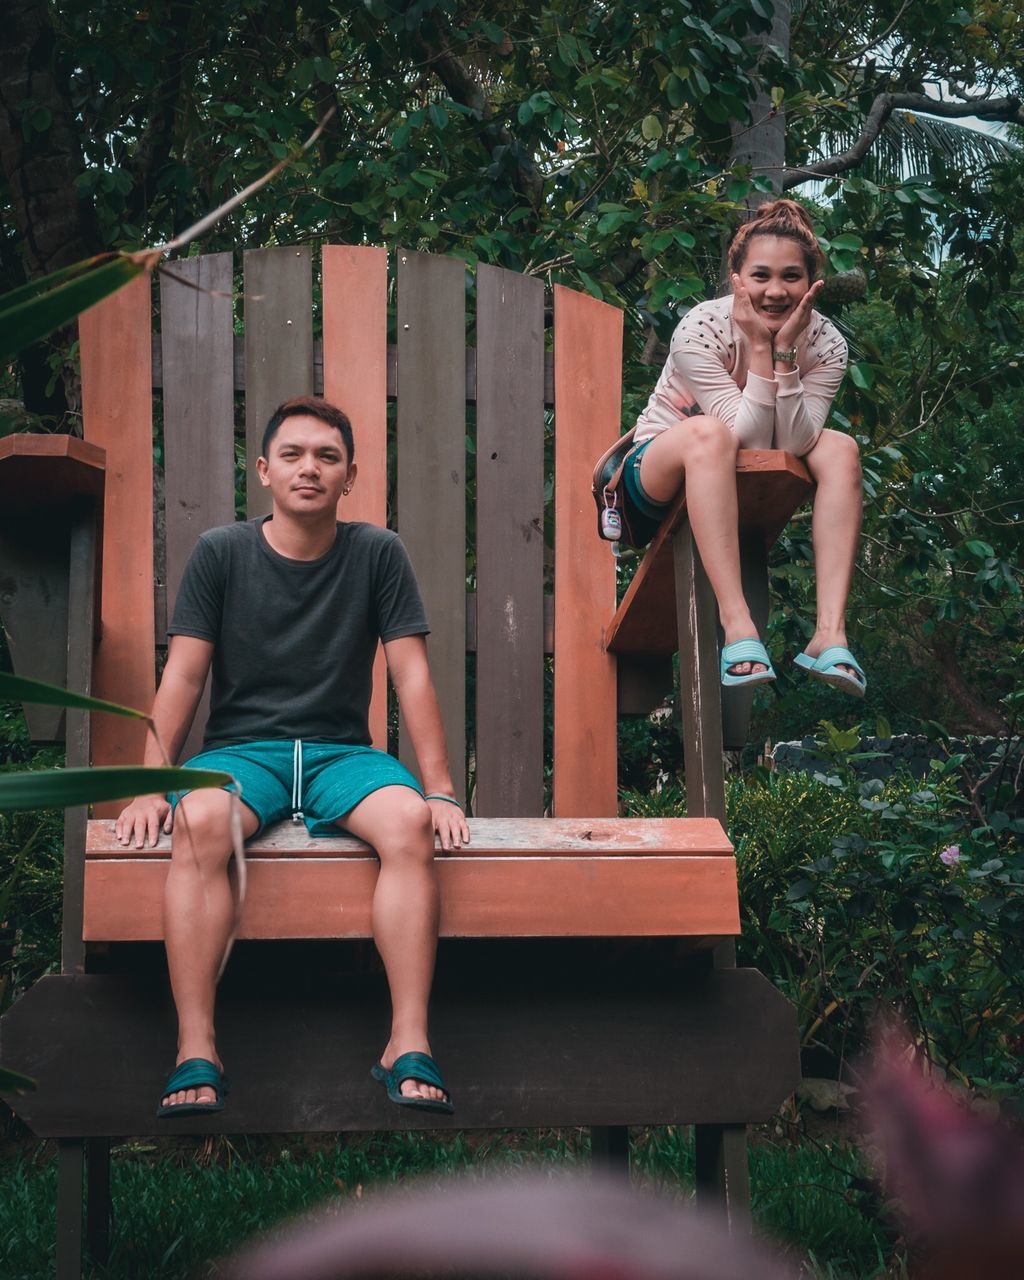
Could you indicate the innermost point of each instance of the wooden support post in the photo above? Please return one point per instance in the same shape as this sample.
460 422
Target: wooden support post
737 702
98 1203
70 1188
609 1150
722 1174
699 681
81 602
721 1154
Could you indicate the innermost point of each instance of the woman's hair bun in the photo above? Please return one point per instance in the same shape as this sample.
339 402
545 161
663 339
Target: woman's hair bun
780 218
783 213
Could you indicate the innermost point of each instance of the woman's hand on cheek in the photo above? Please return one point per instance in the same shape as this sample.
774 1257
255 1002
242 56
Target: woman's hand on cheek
746 319
786 337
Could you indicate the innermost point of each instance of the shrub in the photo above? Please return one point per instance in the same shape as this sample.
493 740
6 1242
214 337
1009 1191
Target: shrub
860 894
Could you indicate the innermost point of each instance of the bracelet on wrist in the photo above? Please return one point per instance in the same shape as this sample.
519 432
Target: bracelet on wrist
449 799
788 356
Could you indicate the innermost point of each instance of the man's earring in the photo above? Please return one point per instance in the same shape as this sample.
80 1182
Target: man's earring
345 491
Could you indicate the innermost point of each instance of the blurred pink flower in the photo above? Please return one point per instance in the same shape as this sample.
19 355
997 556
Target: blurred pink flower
956 1177
950 856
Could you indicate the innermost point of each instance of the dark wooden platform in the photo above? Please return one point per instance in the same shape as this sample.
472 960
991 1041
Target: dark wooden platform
527 1033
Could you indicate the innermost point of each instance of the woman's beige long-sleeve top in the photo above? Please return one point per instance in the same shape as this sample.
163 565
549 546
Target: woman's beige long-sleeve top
709 362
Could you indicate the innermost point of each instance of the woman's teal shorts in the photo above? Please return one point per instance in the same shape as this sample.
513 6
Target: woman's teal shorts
643 514
317 781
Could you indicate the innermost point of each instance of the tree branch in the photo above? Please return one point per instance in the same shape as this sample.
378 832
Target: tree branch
464 89
1004 109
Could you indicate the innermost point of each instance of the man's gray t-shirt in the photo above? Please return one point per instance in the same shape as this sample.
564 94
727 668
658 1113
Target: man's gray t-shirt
294 640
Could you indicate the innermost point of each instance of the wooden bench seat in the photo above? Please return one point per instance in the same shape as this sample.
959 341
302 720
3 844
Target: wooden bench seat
518 877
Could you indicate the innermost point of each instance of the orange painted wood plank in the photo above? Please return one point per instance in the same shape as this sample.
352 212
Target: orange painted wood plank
355 283
770 485
489 838
588 397
117 413
480 898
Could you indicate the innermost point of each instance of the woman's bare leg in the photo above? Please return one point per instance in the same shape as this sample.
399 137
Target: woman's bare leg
834 464
703 450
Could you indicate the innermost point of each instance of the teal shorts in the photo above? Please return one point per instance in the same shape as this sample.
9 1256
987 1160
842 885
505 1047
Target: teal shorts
651 513
317 782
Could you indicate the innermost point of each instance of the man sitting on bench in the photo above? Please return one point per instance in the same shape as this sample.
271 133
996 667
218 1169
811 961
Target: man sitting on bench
288 609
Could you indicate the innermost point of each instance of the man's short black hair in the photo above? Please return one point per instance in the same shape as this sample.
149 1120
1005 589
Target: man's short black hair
311 407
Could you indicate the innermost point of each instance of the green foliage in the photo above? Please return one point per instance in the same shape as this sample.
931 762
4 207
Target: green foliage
31 880
935 395
848 903
856 897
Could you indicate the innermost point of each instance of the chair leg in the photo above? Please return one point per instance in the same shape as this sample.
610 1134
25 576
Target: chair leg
70 1188
609 1149
98 1205
722 1171
738 701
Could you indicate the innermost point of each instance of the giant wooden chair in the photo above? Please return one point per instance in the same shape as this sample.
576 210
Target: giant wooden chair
586 974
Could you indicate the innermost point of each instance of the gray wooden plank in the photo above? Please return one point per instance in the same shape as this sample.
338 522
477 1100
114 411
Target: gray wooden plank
278 346
509 544
197 344
431 474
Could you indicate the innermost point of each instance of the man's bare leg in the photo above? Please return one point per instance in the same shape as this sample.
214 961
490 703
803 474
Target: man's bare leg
198 914
703 451
397 823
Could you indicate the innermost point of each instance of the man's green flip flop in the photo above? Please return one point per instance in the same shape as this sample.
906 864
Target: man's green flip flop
414 1066
193 1073
826 666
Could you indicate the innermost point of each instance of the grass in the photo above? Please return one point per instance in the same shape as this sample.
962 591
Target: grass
178 1208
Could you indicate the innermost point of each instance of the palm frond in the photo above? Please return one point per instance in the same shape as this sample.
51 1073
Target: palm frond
911 143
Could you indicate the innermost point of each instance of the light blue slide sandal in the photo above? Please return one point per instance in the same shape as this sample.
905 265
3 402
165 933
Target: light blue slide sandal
826 667
750 650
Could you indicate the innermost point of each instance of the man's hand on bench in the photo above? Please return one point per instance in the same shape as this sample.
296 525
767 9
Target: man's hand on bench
143 820
449 823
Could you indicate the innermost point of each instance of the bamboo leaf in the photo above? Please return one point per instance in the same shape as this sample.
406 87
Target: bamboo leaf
15 1082
22 689
36 318
59 788
36 287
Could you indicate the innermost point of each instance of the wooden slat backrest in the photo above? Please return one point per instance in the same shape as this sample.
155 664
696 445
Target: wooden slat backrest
509 544
432 473
278 346
355 362
507 383
197 340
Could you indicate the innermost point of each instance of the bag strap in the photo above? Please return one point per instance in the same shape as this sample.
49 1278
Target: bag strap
609 467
